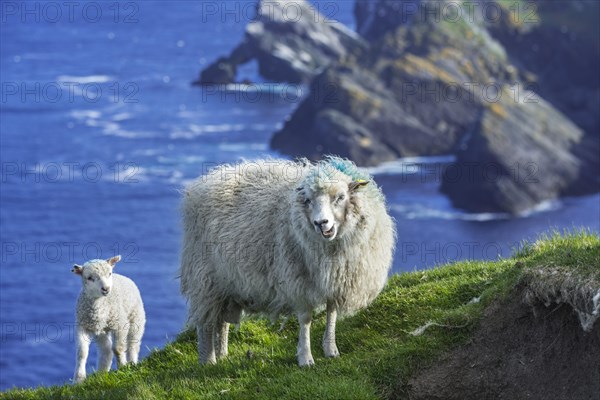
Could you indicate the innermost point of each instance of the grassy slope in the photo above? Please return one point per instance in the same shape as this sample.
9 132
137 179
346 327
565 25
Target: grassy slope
378 351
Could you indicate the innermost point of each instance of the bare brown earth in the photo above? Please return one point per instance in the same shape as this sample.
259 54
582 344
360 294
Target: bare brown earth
518 352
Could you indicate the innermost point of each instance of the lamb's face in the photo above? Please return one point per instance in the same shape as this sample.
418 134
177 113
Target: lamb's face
96 276
326 206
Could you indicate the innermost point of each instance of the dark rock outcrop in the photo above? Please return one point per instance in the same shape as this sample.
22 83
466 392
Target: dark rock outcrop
517 155
389 129
291 41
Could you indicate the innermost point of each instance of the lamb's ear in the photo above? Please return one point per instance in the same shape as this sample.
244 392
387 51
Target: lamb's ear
357 184
112 261
77 269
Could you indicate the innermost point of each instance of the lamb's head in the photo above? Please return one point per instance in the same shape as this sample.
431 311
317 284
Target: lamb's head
328 199
96 276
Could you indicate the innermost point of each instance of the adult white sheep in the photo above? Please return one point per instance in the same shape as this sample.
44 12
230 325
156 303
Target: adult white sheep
109 310
282 237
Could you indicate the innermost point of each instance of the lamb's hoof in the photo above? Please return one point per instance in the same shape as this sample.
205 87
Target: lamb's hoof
78 378
305 360
331 351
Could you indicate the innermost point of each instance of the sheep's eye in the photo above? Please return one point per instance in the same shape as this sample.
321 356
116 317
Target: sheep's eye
307 201
341 197
90 278
110 274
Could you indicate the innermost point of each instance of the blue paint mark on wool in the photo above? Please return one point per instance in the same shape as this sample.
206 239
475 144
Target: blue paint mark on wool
347 167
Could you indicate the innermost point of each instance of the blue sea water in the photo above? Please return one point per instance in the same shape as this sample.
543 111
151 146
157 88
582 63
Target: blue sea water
100 128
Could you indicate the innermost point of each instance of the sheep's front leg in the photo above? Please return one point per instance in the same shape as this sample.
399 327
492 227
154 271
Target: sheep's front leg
120 347
105 352
304 354
329 346
83 348
206 344
221 337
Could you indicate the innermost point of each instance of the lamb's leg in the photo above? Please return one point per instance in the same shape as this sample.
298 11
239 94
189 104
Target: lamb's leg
206 344
120 346
134 341
83 348
221 338
304 354
104 352
329 346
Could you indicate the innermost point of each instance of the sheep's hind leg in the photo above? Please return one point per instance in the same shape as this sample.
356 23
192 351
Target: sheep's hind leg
231 315
221 339
329 347
206 344
105 352
83 348
304 354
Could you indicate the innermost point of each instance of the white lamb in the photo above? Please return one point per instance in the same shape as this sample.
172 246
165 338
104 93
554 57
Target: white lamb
282 237
109 310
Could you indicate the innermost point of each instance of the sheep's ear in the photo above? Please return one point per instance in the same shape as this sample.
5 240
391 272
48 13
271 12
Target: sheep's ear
77 269
357 184
112 261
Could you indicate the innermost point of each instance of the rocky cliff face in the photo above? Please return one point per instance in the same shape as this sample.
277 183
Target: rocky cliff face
291 41
498 84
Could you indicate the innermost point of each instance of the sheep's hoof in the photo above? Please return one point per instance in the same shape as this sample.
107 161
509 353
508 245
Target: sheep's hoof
78 378
209 361
305 360
331 351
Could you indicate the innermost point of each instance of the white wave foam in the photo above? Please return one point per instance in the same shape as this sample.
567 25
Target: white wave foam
85 79
194 130
189 114
414 211
112 127
147 152
241 147
176 177
180 160
421 212
544 206
86 114
121 116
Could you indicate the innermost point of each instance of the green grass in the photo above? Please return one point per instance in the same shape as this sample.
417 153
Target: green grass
378 351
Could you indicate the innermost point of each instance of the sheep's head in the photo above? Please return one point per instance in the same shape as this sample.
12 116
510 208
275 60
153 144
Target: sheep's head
96 276
327 198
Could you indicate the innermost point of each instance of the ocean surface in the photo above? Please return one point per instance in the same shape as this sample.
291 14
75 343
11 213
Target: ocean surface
101 128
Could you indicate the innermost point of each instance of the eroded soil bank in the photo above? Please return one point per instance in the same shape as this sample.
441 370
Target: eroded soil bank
518 352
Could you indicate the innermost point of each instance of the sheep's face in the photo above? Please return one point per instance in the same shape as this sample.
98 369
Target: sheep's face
96 276
326 206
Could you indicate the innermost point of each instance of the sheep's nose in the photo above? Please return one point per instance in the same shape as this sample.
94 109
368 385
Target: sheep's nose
321 222
105 288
